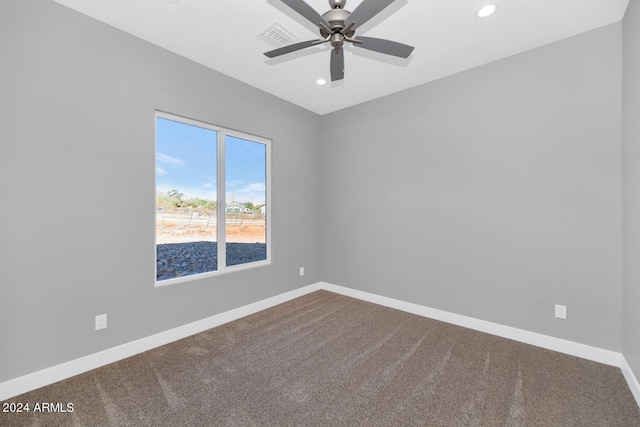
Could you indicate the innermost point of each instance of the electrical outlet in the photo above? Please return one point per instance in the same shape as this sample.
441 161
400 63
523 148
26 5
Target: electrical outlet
561 311
101 322
302 271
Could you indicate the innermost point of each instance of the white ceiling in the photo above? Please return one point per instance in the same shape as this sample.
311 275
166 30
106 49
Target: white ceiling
447 35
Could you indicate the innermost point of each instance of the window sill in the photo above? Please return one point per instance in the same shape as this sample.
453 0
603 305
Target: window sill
200 276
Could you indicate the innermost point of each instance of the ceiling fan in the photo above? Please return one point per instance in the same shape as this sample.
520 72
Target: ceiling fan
338 26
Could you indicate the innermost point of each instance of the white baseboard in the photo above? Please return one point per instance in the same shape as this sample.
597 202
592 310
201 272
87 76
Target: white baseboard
563 346
65 370
632 381
60 372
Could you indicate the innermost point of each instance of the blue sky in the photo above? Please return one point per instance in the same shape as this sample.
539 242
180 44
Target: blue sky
186 158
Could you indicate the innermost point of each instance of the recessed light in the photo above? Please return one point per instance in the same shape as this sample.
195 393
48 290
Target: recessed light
487 10
321 82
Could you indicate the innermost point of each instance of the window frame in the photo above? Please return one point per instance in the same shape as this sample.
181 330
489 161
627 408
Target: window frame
221 227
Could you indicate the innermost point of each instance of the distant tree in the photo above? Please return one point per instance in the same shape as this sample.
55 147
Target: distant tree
249 205
176 195
198 203
170 199
175 199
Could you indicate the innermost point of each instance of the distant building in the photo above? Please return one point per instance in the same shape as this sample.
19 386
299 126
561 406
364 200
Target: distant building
237 207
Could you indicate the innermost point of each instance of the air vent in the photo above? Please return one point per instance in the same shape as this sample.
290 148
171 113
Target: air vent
277 35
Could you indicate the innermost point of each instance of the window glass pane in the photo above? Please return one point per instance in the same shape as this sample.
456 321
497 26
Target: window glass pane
246 197
186 220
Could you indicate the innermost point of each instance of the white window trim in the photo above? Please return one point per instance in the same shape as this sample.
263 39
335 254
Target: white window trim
222 268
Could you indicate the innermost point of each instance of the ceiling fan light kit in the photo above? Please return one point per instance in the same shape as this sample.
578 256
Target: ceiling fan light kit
337 27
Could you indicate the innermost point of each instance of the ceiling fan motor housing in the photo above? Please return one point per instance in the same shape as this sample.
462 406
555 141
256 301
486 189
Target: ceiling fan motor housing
336 18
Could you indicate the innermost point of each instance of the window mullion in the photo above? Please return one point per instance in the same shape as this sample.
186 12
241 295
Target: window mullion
221 204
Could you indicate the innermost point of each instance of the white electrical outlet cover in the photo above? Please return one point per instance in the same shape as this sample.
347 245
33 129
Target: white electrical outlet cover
561 311
101 322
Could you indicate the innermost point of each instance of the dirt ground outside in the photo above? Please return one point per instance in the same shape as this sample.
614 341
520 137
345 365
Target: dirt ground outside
185 227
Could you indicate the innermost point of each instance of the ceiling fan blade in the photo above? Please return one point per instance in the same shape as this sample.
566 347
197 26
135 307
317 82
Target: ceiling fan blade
385 46
291 48
366 10
307 11
337 64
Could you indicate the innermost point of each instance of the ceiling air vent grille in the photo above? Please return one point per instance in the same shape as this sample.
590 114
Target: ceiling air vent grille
277 35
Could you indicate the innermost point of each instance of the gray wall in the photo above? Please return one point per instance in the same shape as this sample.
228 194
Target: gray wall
494 193
631 183
77 185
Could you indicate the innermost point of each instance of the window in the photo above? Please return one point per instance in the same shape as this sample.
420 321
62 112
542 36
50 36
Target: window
212 200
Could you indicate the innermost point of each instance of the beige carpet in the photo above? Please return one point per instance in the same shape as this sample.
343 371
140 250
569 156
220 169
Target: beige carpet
326 359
